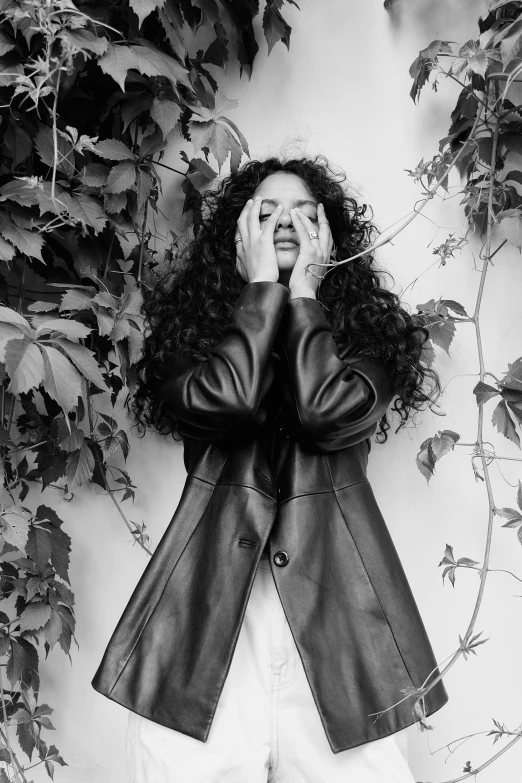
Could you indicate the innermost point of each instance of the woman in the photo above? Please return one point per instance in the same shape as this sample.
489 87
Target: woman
273 635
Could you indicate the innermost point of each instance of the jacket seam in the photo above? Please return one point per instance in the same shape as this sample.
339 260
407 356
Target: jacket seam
323 492
368 575
153 609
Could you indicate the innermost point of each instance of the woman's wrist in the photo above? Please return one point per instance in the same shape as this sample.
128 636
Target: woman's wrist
298 291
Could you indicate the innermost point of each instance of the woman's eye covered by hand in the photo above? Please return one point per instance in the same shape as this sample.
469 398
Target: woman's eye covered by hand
311 217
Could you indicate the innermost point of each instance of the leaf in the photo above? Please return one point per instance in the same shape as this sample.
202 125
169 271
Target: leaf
116 61
76 299
95 175
442 333
443 442
121 178
471 58
483 392
6 44
15 526
514 517
148 60
34 616
275 27
65 153
510 226
87 211
504 424
10 316
18 142
80 467
85 361
52 630
166 114
62 380
7 251
28 242
41 307
143 8
73 330
143 187
113 149
85 41
39 546
511 44
24 365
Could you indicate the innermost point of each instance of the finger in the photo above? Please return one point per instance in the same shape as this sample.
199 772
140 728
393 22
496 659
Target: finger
309 227
254 228
300 229
325 234
270 224
242 222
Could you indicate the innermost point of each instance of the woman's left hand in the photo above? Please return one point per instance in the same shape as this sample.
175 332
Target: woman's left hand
311 251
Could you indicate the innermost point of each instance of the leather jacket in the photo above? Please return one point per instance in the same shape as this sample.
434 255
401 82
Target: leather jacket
276 426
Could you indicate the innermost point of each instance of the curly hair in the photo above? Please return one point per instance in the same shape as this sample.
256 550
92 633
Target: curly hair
190 305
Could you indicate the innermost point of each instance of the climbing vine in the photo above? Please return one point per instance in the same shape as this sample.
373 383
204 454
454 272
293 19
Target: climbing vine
90 96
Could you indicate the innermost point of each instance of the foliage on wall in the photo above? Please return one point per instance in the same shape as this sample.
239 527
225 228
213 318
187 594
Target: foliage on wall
91 94
484 145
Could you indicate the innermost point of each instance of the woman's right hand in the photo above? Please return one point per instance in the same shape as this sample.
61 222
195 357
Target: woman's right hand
256 256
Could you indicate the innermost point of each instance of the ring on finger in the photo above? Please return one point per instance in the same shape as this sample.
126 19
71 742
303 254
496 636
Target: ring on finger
313 234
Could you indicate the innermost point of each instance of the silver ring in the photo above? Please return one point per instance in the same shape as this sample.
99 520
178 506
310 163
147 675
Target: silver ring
313 234
238 241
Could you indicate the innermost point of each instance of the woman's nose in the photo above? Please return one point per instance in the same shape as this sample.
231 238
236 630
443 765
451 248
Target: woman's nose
285 219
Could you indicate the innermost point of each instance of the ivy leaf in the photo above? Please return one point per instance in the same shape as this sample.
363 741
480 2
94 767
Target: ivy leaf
510 226
34 616
142 8
18 142
483 392
84 360
275 27
39 546
514 517
95 175
7 251
15 526
471 58
421 67
77 298
166 113
6 44
504 424
73 330
85 41
80 467
148 60
18 190
512 42
433 449
62 380
29 243
24 365
143 187
121 178
87 211
113 149
65 151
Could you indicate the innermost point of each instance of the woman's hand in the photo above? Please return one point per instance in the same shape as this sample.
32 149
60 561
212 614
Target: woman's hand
312 251
256 255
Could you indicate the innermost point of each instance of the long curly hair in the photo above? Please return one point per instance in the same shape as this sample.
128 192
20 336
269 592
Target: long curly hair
192 302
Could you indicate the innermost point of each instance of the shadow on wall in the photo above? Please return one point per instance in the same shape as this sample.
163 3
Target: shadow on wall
430 16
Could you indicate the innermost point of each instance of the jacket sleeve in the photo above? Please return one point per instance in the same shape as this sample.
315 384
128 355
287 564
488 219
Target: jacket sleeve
339 397
226 389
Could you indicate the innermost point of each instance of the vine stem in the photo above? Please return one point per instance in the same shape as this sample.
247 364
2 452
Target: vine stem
14 761
486 763
416 211
107 487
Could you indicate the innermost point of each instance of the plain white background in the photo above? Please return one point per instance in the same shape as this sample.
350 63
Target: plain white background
343 90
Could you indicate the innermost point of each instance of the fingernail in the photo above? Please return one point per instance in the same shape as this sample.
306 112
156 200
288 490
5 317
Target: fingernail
249 201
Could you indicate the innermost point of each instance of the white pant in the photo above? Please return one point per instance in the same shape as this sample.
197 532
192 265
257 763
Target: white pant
266 728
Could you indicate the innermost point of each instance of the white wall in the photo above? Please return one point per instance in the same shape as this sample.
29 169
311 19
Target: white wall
344 91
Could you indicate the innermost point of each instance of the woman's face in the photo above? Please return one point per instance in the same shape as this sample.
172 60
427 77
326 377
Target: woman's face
290 191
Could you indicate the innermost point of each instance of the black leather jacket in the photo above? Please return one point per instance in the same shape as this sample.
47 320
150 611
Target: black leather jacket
276 426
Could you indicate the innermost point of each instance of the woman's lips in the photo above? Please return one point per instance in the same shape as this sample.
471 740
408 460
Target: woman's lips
286 244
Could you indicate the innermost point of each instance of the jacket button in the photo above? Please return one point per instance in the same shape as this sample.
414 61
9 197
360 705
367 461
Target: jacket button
280 558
